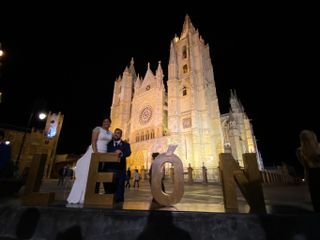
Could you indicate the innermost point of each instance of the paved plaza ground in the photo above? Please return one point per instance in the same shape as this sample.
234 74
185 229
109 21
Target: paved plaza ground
199 215
200 197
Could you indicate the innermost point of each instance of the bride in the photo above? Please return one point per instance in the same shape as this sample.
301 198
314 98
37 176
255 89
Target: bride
101 136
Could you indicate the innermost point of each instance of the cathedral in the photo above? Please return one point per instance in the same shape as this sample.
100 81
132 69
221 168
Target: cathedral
186 114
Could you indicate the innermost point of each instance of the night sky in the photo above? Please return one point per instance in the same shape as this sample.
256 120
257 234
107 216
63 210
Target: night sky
76 52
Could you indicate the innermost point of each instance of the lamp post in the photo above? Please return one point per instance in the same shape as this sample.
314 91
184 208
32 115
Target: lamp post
41 116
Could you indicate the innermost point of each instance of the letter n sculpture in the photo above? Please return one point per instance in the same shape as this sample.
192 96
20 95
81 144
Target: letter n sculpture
248 181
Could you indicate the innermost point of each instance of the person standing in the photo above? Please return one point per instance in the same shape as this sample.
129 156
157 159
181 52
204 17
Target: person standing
309 156
136 178
123 149
101 136
62 175
128 177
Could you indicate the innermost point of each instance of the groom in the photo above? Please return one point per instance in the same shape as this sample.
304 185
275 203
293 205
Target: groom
124 151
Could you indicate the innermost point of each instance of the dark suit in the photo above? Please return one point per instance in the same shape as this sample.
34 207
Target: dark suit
119 168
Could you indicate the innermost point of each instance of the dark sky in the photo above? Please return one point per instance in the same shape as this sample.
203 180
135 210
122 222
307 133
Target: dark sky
76 52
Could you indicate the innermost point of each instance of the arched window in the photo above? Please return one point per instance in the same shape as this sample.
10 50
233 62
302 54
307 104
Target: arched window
184 52
185 68
184 91
147 135
137 138
152 133
142 136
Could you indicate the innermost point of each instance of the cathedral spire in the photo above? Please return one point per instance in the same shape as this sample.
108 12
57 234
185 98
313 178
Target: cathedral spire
187 26
173 54
173 63
149 73
231 94
138 82
159 75
159 72
131 68
236 106
126 70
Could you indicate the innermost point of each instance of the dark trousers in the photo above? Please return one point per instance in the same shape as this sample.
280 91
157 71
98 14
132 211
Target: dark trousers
120 181
128 182
61 181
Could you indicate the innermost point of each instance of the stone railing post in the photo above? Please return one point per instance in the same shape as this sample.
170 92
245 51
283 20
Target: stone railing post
190 179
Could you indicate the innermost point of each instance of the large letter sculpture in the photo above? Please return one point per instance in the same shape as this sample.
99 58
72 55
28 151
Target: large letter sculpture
248 181
92 198
167 199
32 195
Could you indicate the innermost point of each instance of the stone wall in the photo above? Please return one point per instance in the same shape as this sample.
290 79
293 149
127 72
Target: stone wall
72 223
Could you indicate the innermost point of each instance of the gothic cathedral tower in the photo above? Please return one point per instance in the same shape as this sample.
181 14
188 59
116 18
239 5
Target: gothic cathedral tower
121 102
193 110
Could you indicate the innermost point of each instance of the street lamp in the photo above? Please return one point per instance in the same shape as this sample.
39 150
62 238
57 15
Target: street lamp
1 51
41 116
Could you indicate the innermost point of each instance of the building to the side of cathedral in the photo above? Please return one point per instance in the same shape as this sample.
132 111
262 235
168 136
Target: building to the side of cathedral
186 114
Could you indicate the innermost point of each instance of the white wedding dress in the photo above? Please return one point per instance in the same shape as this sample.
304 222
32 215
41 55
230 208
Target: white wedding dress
78 190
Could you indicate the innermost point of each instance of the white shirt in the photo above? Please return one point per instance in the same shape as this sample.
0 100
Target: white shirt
116 143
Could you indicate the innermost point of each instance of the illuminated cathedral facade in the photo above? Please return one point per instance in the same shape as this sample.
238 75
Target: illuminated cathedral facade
186 114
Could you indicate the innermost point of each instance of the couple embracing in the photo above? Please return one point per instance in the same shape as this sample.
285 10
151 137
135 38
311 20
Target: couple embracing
102 141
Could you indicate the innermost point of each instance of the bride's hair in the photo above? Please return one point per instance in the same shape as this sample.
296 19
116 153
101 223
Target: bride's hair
107 118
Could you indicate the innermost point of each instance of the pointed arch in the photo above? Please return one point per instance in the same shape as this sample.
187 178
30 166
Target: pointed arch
184 52
184 91
185 68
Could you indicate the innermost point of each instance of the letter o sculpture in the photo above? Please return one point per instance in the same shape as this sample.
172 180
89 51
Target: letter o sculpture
178 181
